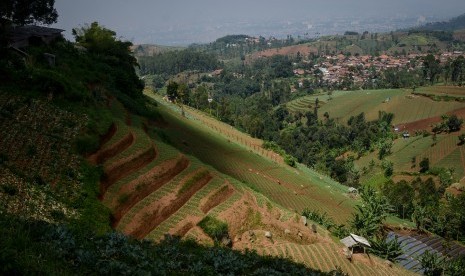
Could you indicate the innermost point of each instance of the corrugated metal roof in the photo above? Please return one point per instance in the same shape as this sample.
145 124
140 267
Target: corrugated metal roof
353 239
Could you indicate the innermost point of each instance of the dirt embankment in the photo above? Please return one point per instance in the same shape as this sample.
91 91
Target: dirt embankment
428 123
160 215
248 223
125 167
216 198
146 184
104 154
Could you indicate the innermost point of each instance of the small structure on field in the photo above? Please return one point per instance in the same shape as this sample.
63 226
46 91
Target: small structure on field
353 190
354 241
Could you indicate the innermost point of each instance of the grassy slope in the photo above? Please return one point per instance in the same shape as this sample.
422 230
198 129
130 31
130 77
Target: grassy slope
300 188
350 103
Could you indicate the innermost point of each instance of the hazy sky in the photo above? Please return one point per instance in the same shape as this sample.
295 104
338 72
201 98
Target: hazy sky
131 18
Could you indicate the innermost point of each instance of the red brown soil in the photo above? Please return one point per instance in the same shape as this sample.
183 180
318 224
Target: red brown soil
428 123
103 155
238 218
185 228
201 236
303 49
125 167
146 184
216 198
160 215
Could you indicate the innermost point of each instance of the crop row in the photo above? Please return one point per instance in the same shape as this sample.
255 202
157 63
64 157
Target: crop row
156 196
191 208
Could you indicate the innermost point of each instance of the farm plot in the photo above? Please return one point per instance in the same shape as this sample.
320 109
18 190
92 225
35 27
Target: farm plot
443 90
191 209
405 107
328 256
142 208
408 153
37 138
255 171
303 104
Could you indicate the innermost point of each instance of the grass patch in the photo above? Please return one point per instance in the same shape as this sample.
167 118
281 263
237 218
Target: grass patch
214 228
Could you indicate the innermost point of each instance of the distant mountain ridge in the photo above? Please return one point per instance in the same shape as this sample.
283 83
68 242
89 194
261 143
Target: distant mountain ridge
453 24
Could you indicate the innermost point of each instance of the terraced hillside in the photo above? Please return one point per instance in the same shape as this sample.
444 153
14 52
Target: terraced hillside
152 188
405 106
292 188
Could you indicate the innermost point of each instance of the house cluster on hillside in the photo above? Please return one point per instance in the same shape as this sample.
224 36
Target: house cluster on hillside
334 68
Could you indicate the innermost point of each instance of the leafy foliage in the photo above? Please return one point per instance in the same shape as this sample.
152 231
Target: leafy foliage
26 12
214 228
71 252
323 219
174 62
371 213
386 249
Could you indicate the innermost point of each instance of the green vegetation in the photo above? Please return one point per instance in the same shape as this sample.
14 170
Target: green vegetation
71 252
214 228
193 180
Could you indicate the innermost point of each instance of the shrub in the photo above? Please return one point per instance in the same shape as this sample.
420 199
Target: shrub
290 160
388 250
424 165
214 228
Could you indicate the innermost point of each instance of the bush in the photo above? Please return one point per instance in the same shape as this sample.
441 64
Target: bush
290 160
424 165
384 249
214 228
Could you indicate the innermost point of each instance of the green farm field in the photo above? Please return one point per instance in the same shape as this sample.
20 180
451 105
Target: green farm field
443 90
405 106
406 155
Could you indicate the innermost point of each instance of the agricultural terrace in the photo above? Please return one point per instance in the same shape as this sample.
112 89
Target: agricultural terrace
443 90
292 188
172 192
407 154
405 106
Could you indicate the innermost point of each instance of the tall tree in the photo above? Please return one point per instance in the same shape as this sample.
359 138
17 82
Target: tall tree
370 213
28 11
